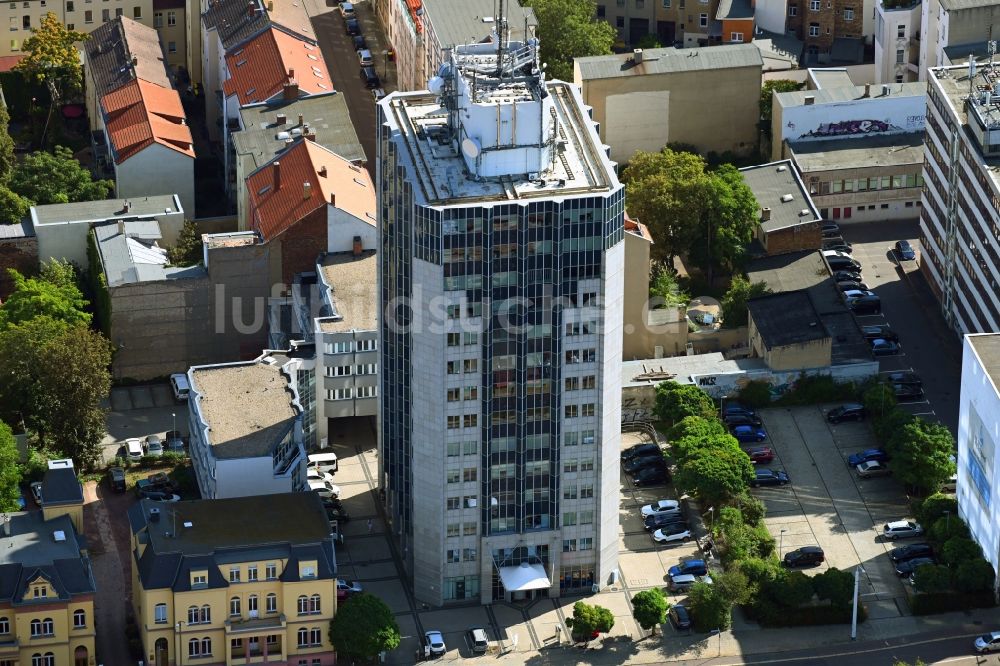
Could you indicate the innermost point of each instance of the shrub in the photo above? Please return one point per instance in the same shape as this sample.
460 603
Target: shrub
947 527
753 509
931 578
975 575
879 400
756 394
675 401
697 427
771 615
835 586
935 506
891 423
958 550
709 608
793 589
813 389
946 602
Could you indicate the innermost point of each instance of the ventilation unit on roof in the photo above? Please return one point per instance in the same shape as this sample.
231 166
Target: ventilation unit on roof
188 523
804 212
785 198
782 168
59 535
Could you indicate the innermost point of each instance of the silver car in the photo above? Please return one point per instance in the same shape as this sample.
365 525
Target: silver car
901 529
871 469
988 642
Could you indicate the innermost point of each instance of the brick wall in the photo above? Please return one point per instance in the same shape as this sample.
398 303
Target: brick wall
830 18
20 254
793 239
302 243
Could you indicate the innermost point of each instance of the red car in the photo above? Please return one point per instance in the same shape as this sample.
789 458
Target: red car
760 454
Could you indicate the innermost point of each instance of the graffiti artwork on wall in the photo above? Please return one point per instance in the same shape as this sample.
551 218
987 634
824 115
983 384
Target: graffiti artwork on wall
779 385
849 127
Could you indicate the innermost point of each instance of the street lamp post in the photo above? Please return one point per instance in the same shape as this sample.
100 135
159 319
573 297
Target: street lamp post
173 416
781 541
854 611
947 521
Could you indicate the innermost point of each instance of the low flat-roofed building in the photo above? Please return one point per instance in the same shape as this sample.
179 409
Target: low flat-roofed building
863 179
786 331
788 220
238 580
246 429
658 96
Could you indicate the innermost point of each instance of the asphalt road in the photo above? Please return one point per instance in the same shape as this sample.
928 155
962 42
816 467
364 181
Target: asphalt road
928 346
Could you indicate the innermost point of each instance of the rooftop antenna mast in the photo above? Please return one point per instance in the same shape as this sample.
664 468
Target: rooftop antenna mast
501 21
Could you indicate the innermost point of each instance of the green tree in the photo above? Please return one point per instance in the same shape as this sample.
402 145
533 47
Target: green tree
879 400
729 219
947 528
710 609
696 426
675 401
666 190
918 662
734 303
13 207
975 575
589 619
690 447
931 578
766 99
664 290
957 550
935 506
7 159
10 470
649 608
734 586
51 56
921 454
649 41
715 475
188 251
363 627
792 589
752 509
568 29
56 177
836 586
886 426
45 295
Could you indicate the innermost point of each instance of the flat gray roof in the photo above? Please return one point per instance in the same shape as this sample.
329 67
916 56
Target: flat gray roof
668 60
652 371
462 21
789 272
245 406
952 5
105 209
786 318
987 348
133 256
734 9
31 543
850 93
353 285
885 150
954 85
777 186
830 77
778 51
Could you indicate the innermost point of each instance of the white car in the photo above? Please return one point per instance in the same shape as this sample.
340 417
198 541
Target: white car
133 449
836 253
672 534
324 489
988 642
314 474
901 529
663 506
434 644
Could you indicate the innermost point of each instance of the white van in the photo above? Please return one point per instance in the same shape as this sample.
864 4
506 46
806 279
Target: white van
179 383
324 462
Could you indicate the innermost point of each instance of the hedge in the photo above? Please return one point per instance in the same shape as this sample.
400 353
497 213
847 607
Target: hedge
771 615
946 602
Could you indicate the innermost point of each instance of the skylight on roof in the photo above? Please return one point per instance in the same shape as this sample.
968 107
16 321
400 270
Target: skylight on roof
263 190
241 63
311 56
251 91
322 86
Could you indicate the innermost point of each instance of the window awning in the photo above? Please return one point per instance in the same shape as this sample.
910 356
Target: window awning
524 577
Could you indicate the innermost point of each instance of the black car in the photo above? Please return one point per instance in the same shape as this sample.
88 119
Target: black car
905 251
662 520
838 244
806 556
904 377
847 275
359 42
830 227
906 567
843 264
640 450
831 233
865 305
849 412
909 551
850 285
642 462
370 77
352 26
679 617
742 419
768 477
907 392
736 409
651 476
879 332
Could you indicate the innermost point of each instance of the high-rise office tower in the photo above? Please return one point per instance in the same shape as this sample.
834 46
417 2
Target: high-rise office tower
501 281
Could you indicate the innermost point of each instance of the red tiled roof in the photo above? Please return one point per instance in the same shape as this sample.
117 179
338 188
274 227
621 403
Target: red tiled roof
259 69
7 62
139 114
415 6
272 211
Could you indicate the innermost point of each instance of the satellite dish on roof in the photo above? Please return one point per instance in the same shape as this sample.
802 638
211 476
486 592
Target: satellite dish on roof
436 85
471 148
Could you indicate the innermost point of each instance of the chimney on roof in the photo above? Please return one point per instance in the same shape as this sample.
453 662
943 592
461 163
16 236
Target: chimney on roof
270 5
322 171
333 198
306 190
121 227
868 90
311 136
358 247
765 214
276 170
251 8
809 100
281 119
135 60
300 120
291 90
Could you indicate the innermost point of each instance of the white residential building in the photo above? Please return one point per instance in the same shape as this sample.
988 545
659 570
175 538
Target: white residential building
500 411
897 40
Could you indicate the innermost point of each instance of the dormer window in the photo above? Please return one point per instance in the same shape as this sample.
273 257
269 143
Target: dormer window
40 591
199 578
307 569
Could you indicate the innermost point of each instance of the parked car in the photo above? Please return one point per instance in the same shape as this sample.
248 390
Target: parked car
736 409
359 42
179 385
378 93
852 411
742 419
748 434
950 485
36 492
174 441
806 556
692 567
434 641
679 617
760 455
346 588
907 392
477 639
836 254
768 477
831 233
842 263
154 446
651 476
661 506
872 469
640 450
910 551
370 77
847 275
879 332
905 251
884 347
365 58
672 534
839 245
907 567
865 305
159 496
161 481
904 377
858 293
352 26
862 457
831 227
347 9
988 642
662 520
133 449
642 462
852 285
901 529
116 479
685 582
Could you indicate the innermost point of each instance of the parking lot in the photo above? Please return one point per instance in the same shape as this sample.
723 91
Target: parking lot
828 505
138 411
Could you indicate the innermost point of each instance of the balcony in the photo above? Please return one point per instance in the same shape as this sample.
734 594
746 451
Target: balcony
255 624
254 652
894 5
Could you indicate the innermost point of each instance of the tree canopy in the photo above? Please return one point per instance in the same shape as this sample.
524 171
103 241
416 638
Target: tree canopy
56 177
734 303
188 251
588 620
715 474
921 454
363 627
730 218
7 158
649 608
674 401
709 607
767 99
569 29
10 470
51 55
52 294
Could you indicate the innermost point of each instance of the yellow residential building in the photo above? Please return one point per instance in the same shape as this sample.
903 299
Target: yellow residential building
234 581
83 15
46 584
